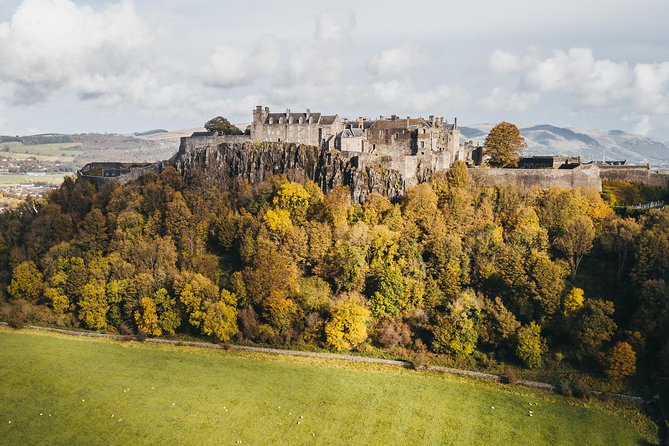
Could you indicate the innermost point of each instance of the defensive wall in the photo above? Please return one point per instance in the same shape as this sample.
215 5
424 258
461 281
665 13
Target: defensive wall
635 174
583 176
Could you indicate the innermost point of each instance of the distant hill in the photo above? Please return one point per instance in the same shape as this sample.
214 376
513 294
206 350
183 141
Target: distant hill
150 132
589 144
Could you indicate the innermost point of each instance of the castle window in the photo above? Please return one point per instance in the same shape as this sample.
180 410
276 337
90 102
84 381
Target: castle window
397 135
281 120
422 144
301 120
271 120
424 130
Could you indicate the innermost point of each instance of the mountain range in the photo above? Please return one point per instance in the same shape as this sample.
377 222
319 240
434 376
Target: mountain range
589 144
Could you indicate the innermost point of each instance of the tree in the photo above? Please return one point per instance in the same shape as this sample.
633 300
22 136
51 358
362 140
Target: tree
93 306
147 319
531 346
222 126
388 292
347 327
619 362
26 282
593 326
279 311
573 302
575 241
620 235
220 320
503 145
458 330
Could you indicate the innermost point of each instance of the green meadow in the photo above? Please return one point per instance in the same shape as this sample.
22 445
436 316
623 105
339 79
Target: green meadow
56 389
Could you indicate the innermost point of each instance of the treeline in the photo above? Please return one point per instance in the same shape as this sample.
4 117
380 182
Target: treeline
474 274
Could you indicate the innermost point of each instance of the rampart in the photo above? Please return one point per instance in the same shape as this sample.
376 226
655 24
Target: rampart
584 176
121 173
635 174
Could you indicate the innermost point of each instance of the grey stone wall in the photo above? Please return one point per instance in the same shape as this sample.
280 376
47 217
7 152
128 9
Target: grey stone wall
634 174
584 176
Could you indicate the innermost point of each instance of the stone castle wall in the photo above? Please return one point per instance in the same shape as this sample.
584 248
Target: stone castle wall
584 176
634 174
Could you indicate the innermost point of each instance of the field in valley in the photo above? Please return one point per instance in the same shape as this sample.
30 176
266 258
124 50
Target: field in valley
56 389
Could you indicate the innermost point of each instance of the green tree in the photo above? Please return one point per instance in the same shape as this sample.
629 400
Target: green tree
388 292
26 282
280 312
531 346
458 330
620 236
503 145
222 126
593 326
575 241
347 327
169 317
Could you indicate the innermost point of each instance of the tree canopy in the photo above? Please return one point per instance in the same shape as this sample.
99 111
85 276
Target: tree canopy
503 145
222 126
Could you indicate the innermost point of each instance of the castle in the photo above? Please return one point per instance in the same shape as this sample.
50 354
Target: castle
387 137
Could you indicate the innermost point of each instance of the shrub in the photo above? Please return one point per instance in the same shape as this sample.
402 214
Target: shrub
19 314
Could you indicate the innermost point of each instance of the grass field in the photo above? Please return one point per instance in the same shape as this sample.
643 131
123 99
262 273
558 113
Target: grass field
18 178
44 152
62 390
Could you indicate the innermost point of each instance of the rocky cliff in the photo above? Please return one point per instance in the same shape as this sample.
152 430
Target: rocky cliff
232 162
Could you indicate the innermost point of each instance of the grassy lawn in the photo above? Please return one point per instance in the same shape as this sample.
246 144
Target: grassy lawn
47 152
18 178
96 391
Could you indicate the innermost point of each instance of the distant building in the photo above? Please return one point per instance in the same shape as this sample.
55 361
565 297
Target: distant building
549 162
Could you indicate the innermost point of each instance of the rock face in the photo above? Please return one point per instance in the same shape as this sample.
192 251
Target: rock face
230 163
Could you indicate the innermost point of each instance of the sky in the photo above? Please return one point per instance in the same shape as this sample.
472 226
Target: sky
127 66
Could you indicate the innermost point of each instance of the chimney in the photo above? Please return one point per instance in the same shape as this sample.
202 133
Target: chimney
308 113
267 109
258 107
361 122
455 122
432 118
287 112
381 117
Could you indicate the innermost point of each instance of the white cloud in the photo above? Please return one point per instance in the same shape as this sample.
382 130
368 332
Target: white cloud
641 89
643 127
501 100
403 94
53 44
334 26
231 67
397 62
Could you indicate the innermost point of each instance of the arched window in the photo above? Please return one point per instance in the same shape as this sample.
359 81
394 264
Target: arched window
271 120
301 120
281 120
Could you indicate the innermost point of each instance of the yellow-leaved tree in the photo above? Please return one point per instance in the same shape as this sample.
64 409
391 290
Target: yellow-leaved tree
347 328
503 145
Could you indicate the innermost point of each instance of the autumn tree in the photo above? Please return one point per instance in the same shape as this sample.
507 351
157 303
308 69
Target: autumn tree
220 319
147 317
93 306
503 145
347 327
619 362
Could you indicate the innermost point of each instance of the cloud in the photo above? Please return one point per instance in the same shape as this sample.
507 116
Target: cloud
54 44
641 89
397 62
501 100
403 94
643 127
231 67
334 26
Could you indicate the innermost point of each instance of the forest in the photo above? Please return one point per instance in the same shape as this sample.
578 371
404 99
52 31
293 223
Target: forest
552 283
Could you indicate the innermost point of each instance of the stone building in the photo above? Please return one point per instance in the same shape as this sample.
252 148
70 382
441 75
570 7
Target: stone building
391 136
313 129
